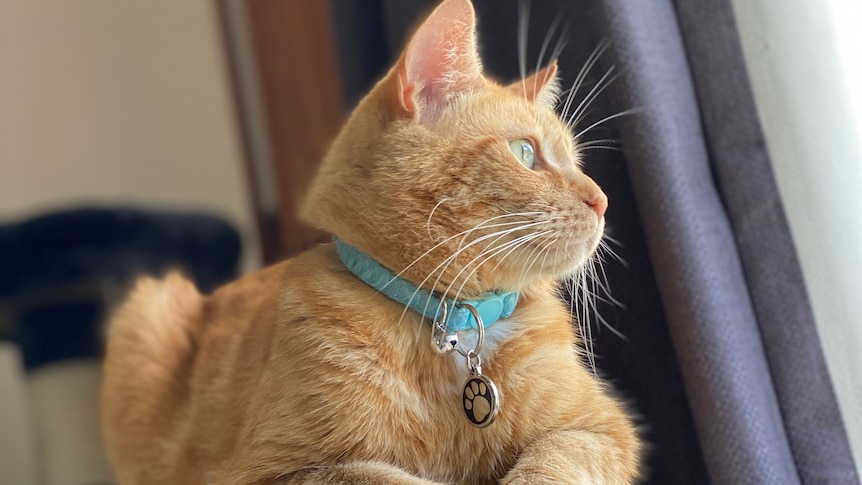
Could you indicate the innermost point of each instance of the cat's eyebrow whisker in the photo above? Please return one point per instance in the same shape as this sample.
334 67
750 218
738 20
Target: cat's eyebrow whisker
561 42
599 145
553 28
606 119
602 147
523 28
582 74
596 142
603 83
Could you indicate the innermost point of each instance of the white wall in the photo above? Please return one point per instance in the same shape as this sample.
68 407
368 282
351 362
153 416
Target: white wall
117 101
804 61
111 102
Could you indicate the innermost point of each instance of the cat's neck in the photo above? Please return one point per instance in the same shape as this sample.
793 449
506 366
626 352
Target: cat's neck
450 313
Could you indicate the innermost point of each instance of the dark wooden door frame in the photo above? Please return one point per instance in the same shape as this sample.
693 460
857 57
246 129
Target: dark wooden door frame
289 101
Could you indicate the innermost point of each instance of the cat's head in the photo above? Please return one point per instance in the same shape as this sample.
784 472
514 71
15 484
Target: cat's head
461 183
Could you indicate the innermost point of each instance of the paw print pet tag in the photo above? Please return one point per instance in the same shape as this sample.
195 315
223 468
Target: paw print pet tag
481 401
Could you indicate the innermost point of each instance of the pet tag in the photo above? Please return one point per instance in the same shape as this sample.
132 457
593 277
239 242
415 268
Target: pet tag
480 398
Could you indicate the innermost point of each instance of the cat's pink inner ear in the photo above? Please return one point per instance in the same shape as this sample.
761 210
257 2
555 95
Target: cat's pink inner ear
538 85
441 60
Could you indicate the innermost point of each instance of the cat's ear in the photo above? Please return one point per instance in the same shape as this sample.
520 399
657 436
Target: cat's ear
542 87
440 62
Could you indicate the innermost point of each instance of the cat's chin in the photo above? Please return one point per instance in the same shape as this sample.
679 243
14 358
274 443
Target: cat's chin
575 254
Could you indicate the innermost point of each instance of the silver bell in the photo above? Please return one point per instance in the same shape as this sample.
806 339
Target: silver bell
446 345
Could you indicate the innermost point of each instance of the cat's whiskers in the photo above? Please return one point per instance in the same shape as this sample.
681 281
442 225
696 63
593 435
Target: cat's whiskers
603 83
503 259
532 214
531 258
499 235
451 259
461 248
597 142
602 284
431 215
493 252
600 145
488 254
582 74
588 286
557 49
627 112
464 233
457 253
606 248
587 314
580 310
604 280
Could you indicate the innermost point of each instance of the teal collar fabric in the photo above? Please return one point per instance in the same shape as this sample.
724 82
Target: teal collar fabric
492 307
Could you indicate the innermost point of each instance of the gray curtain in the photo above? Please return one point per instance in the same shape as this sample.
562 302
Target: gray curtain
721 358
727 270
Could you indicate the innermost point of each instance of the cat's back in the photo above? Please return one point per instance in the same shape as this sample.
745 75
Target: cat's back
176 362
185 373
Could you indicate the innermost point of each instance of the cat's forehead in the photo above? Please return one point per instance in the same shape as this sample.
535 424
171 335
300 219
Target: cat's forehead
502 114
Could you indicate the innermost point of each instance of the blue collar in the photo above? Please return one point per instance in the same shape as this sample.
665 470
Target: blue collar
491 307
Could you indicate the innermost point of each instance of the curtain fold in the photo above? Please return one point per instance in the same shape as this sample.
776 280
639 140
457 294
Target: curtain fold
692 245
748 189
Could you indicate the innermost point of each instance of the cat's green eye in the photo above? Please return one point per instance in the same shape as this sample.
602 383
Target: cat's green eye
524 151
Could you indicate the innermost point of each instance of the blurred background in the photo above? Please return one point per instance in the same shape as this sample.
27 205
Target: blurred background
137 137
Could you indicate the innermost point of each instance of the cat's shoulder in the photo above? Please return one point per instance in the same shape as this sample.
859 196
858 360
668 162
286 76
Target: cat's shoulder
302 269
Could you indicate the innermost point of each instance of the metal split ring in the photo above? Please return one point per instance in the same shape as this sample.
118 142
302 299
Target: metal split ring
480 329
445 343
439 324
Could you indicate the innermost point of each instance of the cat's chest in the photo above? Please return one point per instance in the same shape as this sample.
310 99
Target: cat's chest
493 338
452 407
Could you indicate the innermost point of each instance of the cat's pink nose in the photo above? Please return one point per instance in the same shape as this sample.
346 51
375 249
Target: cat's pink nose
598 203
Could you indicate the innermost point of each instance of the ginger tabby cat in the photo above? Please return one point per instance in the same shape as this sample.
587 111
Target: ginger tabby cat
304 373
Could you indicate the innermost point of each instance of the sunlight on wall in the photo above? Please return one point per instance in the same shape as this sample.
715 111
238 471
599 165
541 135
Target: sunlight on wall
846 17
805 68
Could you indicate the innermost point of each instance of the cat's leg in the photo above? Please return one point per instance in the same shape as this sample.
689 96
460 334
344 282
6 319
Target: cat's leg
355 472
576 457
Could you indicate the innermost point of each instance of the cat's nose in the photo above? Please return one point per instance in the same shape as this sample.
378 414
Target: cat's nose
598 202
